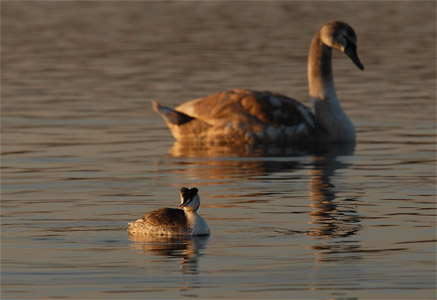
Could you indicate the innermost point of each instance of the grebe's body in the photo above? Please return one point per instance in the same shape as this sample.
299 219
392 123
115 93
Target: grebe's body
246 116
172 221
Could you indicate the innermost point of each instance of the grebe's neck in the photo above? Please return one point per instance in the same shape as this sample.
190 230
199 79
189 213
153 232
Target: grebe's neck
196 223
190 212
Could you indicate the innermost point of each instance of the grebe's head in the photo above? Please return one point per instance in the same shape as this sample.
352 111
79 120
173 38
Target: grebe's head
342 37
190 200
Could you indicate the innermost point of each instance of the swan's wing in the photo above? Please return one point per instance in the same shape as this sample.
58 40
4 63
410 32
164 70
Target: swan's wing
249 108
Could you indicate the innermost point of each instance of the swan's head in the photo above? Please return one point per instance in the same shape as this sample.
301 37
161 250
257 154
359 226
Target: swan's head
190 200
342 37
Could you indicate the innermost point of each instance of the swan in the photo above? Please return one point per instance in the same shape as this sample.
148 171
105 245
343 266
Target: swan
247 116
172 221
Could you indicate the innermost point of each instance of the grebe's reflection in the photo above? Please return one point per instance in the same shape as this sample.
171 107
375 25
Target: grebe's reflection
187 248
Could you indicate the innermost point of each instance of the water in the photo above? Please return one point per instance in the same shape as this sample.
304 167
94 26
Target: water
83 153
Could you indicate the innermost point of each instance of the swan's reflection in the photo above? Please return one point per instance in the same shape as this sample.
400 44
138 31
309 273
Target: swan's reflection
332 217
195 149
231 162
187 248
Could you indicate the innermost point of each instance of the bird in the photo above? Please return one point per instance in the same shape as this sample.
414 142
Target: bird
182 221
246 116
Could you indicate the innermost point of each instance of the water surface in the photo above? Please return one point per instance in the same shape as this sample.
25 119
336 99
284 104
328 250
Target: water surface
83 153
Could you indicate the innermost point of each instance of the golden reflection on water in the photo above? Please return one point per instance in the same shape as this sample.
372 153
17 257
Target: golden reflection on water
196 149
331 220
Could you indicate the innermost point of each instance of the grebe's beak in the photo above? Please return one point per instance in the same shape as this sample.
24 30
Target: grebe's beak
185 203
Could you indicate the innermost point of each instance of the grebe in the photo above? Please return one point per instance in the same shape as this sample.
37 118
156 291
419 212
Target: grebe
246 116
172 221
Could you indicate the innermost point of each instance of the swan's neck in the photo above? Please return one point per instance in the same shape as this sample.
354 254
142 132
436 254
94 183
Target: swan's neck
329 113
320 77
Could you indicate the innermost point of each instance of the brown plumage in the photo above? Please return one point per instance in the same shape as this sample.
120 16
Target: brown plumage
168 217
248 107
238 115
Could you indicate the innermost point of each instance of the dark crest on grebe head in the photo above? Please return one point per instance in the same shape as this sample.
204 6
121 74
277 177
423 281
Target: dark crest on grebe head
187 193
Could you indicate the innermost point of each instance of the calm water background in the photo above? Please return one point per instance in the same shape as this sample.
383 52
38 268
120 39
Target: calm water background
83 153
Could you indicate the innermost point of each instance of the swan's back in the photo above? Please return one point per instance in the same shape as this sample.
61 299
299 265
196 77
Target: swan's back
246 107
241 115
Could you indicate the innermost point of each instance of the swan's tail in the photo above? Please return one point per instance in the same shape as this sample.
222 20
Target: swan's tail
170 115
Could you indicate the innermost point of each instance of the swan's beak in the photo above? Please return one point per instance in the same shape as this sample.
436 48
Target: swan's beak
351 51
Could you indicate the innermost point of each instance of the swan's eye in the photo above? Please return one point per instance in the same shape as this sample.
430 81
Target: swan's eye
349 43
